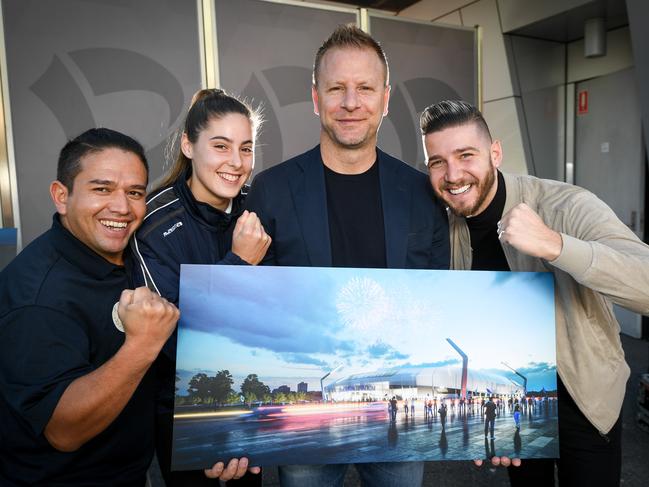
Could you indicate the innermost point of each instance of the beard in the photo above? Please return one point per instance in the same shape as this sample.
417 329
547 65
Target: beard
483 187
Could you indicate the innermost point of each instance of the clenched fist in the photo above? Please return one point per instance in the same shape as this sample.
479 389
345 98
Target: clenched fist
148 318
522 228
249 240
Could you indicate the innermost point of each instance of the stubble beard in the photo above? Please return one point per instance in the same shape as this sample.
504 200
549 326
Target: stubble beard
348 143
483 187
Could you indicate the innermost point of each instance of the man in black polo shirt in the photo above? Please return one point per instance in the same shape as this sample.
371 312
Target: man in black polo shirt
76 403
346 203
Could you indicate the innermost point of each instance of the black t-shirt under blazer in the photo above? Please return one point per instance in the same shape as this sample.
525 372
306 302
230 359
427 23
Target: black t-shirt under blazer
355 213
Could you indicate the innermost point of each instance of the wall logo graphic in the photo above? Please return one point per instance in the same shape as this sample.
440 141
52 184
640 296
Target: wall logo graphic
111 70
106 70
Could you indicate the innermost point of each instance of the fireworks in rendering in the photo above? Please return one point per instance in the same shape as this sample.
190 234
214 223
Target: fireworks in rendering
362 304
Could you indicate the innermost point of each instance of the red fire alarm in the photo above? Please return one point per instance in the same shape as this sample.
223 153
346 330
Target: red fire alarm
582 102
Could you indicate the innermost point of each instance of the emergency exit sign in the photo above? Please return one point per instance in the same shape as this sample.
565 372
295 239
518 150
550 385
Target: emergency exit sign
582 102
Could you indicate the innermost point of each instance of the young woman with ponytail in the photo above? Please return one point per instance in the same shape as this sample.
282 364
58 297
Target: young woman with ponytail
196 216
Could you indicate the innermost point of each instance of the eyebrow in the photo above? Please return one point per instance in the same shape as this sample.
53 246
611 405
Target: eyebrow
108 182
456 151
227 139
464 149
103 182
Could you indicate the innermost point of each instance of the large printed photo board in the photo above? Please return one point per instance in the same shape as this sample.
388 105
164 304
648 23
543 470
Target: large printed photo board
293 365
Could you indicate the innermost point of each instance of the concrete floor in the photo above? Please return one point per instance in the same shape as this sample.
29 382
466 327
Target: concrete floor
635 444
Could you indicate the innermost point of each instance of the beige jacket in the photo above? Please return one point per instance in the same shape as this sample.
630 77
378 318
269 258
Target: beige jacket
602 262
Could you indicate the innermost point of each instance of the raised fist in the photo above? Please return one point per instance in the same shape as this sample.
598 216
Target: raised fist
249 240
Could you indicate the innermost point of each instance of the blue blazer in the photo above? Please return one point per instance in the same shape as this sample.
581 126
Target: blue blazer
291 201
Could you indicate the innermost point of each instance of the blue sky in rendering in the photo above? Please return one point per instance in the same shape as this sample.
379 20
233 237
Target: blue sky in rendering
289 324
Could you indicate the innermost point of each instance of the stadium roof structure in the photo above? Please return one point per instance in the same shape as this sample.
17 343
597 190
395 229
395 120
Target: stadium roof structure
442 377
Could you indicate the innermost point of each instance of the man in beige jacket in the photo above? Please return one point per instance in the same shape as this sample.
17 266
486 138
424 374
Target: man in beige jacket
522 223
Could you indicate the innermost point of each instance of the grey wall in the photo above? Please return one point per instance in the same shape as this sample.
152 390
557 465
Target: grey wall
638 16
539 68
131 65
519 13
501 100
416 52
544 73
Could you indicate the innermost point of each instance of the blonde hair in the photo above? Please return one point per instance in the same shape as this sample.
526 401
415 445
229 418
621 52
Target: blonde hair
349 35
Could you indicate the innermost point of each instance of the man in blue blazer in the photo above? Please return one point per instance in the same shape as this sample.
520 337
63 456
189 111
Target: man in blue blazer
291 201
346 203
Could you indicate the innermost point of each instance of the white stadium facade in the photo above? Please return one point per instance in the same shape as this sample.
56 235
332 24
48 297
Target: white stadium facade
420 383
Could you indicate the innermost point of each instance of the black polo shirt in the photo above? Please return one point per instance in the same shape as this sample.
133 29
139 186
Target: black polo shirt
56 325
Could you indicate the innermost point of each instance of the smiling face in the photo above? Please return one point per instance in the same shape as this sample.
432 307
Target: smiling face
222 159
351 97
107 201
462 163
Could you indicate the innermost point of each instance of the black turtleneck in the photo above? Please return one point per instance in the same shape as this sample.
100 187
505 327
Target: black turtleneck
488 254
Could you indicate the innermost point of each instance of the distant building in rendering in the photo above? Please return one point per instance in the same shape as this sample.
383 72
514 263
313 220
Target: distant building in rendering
314 396
302 387
284 389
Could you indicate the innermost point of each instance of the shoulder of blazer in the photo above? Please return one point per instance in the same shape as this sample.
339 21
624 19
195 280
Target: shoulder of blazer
400 175
298 163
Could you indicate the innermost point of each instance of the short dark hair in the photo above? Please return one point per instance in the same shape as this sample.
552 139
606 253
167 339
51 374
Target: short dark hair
348 35
92 141
451 113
